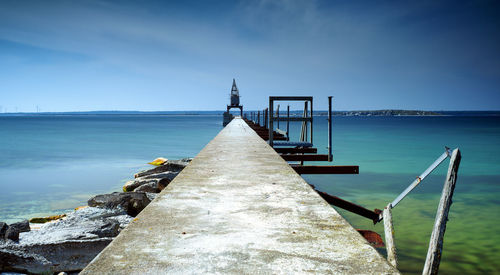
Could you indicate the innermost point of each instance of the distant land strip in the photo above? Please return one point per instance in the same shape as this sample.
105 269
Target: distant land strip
385 112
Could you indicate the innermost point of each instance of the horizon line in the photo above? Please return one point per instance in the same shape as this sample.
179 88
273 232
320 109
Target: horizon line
252 110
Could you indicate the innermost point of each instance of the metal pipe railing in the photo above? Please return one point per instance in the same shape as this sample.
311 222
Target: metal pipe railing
422 176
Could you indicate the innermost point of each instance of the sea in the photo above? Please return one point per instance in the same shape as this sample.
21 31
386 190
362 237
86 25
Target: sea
52 163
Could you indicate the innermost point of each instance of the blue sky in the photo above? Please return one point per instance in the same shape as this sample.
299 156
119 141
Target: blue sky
167 55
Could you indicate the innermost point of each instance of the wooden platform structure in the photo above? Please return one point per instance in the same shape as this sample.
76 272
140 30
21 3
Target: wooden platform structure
239 208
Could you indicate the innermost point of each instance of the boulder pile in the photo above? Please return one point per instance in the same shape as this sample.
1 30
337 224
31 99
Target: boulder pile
68 242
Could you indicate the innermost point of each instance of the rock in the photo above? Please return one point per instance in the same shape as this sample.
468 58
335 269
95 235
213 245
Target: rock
22 226
171 165
22 262
131 202
169 175
65 245
186 160
50 258
149 187
85 224
12 234
151 196
133 184
151 179
129 186
9 232
163 183
47 219
109 229
3 230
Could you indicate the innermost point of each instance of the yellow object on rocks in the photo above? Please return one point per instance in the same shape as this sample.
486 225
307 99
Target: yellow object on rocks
158 161
81 207
47 219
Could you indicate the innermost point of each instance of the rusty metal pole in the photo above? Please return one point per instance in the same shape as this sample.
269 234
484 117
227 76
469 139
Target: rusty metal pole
271 126
264 121
266 118
330 157
312 116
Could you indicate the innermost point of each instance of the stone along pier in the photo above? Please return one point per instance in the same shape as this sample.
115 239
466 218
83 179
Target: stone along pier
239 208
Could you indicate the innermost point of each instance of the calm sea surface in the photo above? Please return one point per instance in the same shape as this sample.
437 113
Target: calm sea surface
50 164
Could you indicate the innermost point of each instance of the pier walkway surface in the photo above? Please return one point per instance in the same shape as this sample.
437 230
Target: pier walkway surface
238 207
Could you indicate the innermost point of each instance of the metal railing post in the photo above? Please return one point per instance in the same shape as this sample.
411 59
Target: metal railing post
312 120
278 116
266 118
303 129
288 123
330 156
271 127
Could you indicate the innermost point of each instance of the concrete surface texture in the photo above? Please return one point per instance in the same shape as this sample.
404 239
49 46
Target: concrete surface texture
239 208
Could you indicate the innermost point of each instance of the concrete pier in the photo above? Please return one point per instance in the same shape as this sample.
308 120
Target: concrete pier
239 208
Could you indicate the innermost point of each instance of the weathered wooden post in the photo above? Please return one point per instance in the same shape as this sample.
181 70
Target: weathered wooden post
436 243
389 236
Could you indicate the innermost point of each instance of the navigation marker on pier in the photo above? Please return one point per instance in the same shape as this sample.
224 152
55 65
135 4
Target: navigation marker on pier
234 103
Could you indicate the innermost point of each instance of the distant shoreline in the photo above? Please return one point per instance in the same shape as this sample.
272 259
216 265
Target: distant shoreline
385 112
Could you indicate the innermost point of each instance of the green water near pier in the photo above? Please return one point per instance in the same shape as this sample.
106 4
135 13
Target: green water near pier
391 152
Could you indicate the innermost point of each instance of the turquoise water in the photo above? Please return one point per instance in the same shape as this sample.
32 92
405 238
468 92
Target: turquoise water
49 164
391 152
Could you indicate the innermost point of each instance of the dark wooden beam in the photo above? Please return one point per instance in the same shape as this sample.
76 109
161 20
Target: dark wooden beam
292 118
295 150
288 157
309 169
266 137
290 98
